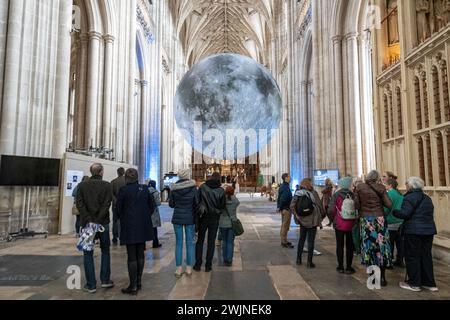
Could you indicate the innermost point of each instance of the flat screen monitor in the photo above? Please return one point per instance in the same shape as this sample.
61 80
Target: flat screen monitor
170 179
29 171
321 175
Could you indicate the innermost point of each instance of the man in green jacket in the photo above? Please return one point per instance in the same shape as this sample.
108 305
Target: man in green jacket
393 222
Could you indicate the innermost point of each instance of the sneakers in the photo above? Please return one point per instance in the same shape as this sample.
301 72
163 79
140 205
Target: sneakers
407 286
188 270
108 285
86 289
179 272
287 245
432 289
340 269
208 269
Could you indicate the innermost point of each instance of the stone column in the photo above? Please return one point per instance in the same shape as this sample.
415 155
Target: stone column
143 145
338 82
354 105
81 91
62 80
92 89
4 6
107 94
11 77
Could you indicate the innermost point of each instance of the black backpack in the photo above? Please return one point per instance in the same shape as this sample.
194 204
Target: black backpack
305 206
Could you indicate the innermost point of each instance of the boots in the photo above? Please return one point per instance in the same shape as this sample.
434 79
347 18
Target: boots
383 281
133 274
299 259
141 263
310 264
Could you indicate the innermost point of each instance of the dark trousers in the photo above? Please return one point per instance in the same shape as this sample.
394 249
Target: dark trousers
211 226
115 224
135 252
155 237
136 261
77 224
344 238
396 242
310 234
105 268
419 260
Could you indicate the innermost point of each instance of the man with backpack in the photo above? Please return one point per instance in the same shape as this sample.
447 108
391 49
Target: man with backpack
342 211
309 212
283 204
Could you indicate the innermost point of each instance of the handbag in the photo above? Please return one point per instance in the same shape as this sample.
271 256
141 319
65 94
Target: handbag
236 225
75 211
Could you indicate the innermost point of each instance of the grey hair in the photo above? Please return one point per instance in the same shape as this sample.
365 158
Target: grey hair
415 183
373 176
96 169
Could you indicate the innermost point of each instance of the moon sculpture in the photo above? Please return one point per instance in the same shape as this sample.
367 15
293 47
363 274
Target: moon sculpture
228 106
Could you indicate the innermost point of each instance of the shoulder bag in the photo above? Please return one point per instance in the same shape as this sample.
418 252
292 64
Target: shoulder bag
236 225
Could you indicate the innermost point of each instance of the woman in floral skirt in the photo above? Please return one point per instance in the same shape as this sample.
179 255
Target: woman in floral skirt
370 198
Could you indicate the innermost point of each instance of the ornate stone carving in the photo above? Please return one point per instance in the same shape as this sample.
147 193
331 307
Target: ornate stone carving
305 23
165 66
439 16
393 23
423 20
446 8
145 25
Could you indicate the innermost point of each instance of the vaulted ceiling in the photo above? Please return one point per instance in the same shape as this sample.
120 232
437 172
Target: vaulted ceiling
207 27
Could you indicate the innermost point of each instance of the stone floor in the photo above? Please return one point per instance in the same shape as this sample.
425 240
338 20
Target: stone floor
262 270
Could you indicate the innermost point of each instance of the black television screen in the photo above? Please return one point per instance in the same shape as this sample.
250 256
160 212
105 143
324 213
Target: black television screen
29 171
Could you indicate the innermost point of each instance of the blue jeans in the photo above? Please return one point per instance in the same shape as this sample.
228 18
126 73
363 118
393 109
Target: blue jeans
227 244
189 230
105 269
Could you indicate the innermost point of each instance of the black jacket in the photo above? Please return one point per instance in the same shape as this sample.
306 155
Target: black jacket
94 200
183 198
212 195
417 211
135 205
284 196
116 184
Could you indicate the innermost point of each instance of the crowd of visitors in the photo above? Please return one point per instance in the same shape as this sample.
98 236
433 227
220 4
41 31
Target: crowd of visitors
370 217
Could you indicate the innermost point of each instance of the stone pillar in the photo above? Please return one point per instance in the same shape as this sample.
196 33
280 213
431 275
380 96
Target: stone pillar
355 153
143 145
81 91
92 89
62 80
338 82
4 6
107 94
11 77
